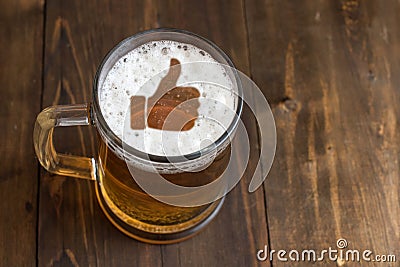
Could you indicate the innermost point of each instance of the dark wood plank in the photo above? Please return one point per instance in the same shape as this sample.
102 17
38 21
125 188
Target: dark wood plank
331 72
72 229
233 237
20 78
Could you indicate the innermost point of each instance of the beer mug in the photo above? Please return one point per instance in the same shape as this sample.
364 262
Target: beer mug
119 164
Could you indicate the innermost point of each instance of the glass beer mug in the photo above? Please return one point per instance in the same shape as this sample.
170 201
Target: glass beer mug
130 208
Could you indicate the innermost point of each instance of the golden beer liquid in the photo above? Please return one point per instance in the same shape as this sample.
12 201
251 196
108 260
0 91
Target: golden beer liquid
136 208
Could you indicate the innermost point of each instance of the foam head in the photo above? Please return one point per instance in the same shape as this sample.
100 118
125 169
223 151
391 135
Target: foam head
132 83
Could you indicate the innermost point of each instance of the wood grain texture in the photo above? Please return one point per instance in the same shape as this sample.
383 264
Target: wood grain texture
330 69
20 79
72 229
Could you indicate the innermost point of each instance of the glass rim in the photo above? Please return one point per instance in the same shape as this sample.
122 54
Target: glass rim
116 141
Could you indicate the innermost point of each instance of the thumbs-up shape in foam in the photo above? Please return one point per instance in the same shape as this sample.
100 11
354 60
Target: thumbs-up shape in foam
168 108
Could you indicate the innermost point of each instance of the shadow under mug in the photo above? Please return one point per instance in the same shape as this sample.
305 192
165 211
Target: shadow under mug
125 204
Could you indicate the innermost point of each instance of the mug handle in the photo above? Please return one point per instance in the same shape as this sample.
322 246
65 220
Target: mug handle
69 165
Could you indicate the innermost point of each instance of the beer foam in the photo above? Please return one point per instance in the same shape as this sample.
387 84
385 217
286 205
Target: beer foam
130 76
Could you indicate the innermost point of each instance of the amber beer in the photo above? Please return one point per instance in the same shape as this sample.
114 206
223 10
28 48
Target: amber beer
139 210
123 198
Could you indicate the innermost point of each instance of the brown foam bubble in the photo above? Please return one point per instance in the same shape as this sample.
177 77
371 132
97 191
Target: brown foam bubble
168 102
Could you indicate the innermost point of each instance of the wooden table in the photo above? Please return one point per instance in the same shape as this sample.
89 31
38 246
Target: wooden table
330 70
